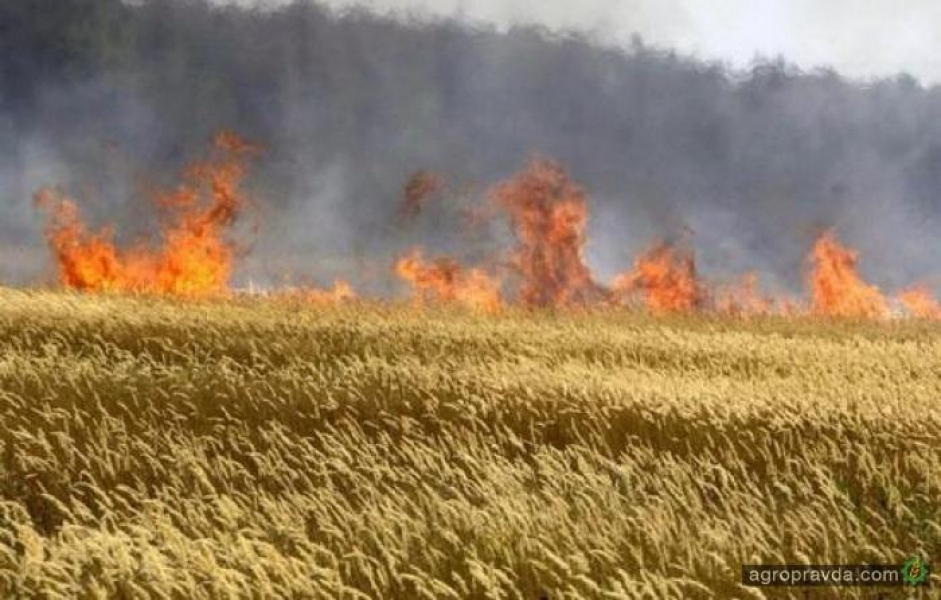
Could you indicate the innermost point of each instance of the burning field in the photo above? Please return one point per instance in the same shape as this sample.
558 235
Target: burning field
364 299
542 267
515 428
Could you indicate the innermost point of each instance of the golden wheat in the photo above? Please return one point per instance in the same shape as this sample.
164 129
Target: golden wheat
257 449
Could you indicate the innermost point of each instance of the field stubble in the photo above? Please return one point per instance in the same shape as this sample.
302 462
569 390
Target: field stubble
249 448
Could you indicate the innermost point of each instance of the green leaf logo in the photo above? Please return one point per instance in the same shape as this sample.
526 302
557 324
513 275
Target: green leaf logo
915 571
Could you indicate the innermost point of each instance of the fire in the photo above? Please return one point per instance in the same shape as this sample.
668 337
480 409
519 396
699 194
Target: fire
194 258
549 215
85 261
341 292
444 280
744 298
666 278
920 302
835 286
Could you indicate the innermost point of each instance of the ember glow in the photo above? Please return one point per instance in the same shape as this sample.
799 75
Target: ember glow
544 265
194 257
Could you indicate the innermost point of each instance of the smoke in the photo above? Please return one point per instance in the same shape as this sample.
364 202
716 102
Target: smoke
109 99
837 34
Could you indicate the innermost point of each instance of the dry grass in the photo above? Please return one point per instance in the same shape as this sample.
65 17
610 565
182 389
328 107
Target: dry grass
246 449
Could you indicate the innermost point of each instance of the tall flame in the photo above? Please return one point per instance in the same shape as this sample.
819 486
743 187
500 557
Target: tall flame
444 280
836 287
666 278
194 257
549 214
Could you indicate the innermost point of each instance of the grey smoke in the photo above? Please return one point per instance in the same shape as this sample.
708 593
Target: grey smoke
839 34
347 105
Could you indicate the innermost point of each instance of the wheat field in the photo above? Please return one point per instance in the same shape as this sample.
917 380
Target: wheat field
260 449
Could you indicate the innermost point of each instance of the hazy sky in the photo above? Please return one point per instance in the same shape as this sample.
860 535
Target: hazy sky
860 38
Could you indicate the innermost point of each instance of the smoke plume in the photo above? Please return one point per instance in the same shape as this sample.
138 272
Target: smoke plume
108 100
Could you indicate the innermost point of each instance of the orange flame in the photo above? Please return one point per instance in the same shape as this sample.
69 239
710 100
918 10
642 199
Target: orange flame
194 259
340 293
549 214
744 298
920 302
666 279
836 287
443 280
86 261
